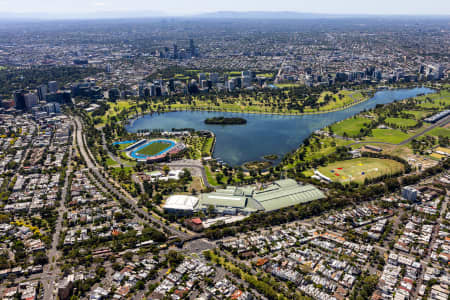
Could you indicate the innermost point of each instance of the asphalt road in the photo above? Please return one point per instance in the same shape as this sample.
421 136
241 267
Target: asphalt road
51 269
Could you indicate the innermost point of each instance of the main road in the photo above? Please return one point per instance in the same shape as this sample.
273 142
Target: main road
115 189
51 269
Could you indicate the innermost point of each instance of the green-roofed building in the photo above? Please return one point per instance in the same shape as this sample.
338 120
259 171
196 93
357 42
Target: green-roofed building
280 194
231 200
286 192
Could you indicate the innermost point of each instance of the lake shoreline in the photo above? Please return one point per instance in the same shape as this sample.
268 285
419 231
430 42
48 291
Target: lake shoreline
265 133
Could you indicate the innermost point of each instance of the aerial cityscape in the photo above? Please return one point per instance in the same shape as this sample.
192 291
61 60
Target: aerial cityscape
224 154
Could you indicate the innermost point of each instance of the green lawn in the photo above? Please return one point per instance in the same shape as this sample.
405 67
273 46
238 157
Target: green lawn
352 169
401 122
350 126
110 162
439 131
419 114
287 85
393 136
265 74
439 100
207 146
154 148
211 178
340 99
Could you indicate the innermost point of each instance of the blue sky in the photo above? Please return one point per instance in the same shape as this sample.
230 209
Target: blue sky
183 7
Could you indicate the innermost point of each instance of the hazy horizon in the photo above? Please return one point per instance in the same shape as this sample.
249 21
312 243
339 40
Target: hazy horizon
142 8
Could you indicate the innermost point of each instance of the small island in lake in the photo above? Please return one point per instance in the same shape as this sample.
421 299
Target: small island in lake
271 157
225 121
257 165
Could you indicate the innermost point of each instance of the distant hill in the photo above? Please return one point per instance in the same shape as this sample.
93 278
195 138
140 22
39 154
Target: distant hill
5 16
273 15
263 15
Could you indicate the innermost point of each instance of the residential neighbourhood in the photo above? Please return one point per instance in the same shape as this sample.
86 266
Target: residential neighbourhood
229 156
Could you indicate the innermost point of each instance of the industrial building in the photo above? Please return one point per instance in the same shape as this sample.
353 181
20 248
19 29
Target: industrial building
284 193
180 204
437 117
249 199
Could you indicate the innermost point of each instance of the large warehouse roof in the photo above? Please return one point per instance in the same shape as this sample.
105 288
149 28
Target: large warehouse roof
181 202
284 193
280 194
229 197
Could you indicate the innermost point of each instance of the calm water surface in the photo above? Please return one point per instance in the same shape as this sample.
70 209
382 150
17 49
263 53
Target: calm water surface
263 134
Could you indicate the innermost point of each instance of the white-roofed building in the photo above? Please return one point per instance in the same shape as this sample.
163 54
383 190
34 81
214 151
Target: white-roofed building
180 204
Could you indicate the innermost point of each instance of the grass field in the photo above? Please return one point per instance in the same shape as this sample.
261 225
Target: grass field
401 122
393 136
353 169
419 114
110 162
210 177
287 85
154 148
350 126
439 131
340 99
265 74
207 146
439 100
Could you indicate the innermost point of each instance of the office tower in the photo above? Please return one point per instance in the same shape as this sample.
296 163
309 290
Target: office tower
146 92
193 87
238 82
142 86
171 85
201 77
214 77
152 89
31 100
158 91
42 92
52 86
114 94
19 99
231 85
175 51
246 81
192 49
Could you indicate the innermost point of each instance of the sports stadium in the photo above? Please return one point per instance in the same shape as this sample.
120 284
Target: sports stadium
153 150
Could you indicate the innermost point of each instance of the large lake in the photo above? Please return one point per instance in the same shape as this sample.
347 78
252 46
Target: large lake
263 134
